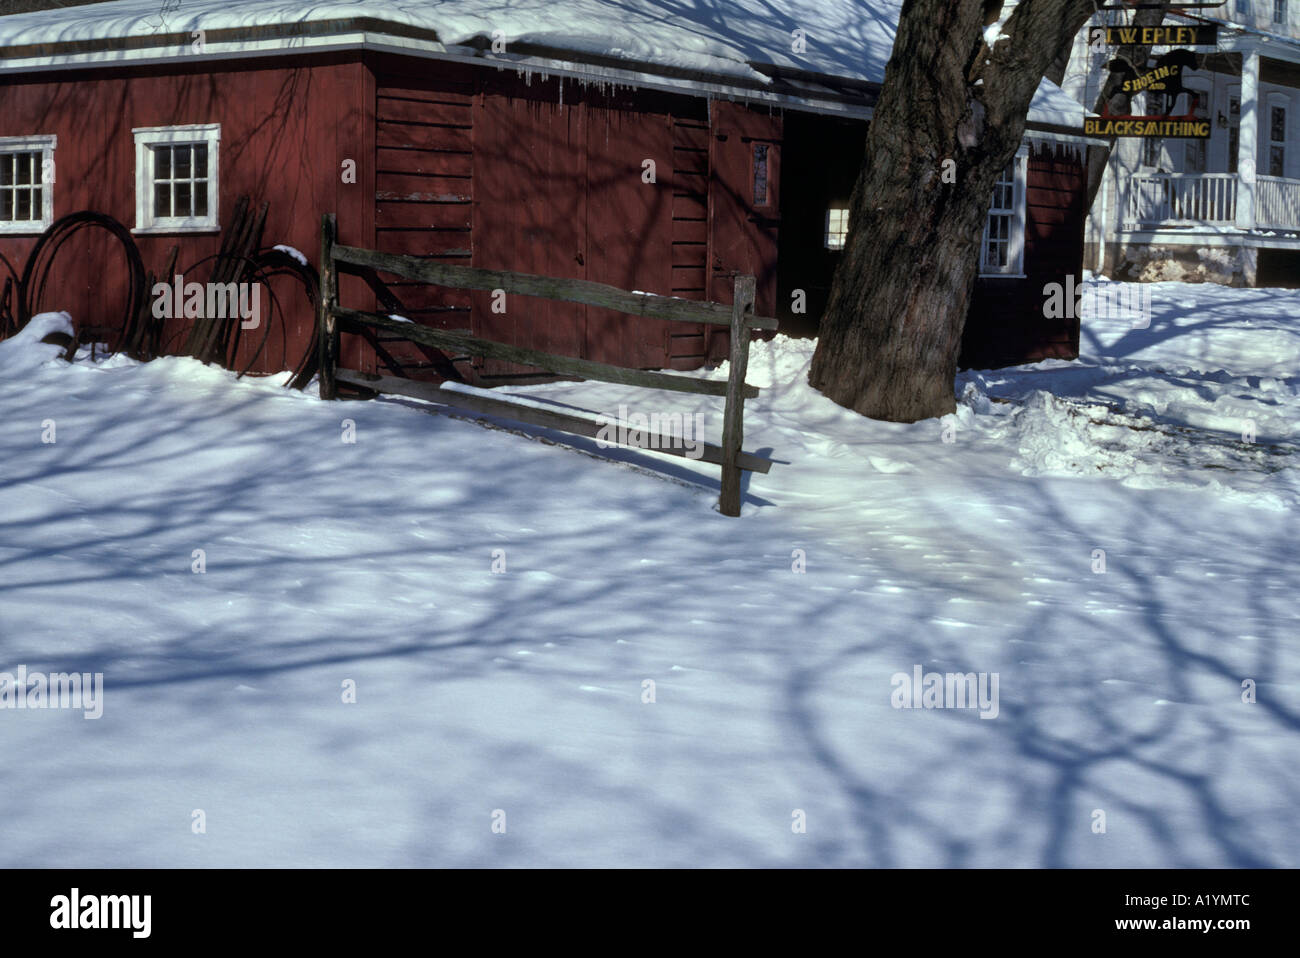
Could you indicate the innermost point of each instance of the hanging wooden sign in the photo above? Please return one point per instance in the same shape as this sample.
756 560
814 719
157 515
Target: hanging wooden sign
1164 75
1203 35
1148 127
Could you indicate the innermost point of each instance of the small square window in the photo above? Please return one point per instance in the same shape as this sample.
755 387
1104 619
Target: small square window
176 179
837 227
26 183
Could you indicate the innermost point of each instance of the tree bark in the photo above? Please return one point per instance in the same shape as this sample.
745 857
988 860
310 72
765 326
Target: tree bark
1061 62
889 338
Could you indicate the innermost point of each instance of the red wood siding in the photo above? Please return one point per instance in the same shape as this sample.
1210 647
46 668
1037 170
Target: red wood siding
629 225
423 201
563 191
286 127
530 213
454 162
1006 324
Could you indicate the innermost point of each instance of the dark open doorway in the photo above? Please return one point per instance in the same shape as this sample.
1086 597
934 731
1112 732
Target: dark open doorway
820 163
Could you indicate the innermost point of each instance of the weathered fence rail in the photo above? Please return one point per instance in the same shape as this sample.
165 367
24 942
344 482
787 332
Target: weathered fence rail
738 316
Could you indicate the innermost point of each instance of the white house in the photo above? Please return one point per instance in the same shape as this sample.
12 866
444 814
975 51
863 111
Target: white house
1223 209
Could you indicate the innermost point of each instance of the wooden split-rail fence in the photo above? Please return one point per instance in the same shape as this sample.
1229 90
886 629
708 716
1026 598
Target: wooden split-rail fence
737 315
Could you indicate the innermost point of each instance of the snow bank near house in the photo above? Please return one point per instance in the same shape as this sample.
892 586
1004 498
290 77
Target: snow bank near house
25 351
1060 437
1205 396
1237 437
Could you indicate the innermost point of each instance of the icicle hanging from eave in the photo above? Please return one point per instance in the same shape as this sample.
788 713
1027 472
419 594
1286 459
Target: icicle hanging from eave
1071 150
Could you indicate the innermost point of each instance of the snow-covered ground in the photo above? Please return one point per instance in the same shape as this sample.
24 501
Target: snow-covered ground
523 691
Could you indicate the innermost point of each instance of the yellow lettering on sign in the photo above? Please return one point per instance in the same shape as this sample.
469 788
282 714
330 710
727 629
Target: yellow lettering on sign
1182 129
1161 36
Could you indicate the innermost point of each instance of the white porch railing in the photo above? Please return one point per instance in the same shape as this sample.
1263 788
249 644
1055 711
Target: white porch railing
1181 199
1277 203
1207 199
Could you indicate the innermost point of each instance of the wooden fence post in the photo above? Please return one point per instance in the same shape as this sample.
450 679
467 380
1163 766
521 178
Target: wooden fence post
327 332
733 417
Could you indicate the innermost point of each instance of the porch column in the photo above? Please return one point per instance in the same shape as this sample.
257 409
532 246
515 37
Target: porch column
1248 139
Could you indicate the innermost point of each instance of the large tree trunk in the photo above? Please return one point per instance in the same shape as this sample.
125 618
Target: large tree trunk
890 336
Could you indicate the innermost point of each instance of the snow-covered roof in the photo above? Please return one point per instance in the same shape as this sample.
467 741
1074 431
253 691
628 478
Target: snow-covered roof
739 40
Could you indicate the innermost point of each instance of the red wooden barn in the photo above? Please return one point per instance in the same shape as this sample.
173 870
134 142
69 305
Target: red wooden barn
654 145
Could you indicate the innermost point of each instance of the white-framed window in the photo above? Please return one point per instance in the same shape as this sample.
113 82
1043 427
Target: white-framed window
26 183
1002 247
1242 7
837 227
1279 11
1275 130
176 178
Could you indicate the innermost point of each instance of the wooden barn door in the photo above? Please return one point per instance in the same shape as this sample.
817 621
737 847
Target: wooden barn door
629 225
745 171
561 193
424 190
530 163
